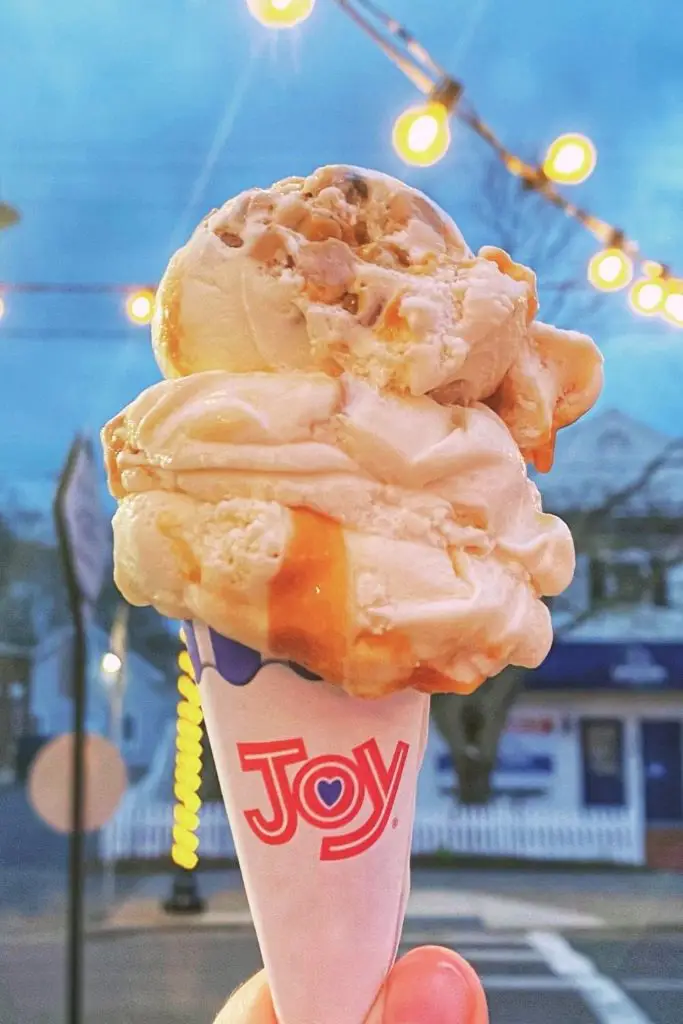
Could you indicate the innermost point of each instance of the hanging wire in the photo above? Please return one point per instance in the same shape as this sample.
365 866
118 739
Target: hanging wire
411 57
417 64
400 47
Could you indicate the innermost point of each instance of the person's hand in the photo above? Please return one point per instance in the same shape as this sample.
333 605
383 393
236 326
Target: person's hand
429 985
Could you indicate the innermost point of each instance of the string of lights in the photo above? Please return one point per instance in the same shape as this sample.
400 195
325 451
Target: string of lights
422 135
138 301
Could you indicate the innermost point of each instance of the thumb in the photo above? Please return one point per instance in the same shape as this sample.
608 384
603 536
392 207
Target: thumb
431 985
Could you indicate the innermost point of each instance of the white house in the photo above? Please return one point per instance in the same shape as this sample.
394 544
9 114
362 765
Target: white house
600 724
148 703
599 727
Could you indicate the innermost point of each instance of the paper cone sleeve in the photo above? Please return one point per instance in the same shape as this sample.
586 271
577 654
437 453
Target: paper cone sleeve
319 789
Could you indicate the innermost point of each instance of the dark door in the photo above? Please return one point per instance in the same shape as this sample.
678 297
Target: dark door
662 771
602 747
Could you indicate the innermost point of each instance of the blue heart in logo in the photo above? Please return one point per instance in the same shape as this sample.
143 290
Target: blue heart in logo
329 791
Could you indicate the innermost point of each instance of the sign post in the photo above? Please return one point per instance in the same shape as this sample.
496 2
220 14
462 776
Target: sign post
116 683
83 535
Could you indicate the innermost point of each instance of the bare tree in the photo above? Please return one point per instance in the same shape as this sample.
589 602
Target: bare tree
472 726
517 219
508 213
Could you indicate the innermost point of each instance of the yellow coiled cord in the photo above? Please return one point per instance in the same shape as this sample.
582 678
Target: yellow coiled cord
188 766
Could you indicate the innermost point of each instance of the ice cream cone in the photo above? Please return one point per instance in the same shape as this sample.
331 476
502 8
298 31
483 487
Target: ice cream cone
320 793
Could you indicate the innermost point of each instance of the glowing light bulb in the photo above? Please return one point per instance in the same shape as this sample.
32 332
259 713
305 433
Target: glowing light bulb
140 306
610 269
647 296
673 304
110 664
422 135
280 13
2 308
570 159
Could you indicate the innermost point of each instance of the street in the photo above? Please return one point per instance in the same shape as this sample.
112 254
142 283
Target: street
183 975
550 946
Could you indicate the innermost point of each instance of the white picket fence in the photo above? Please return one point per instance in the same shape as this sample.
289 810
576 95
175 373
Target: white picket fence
609 835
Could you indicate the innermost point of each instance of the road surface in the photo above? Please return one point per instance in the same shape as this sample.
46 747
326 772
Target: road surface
182 977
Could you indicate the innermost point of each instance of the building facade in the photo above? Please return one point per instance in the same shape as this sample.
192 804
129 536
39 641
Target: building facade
599 726
618 659
136 726
15 673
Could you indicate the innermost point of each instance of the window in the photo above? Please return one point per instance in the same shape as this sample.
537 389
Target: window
602 748
660 588
597 581
627 582
628 579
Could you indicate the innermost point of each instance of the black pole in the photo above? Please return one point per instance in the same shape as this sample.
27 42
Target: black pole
74 994
185 897
75 907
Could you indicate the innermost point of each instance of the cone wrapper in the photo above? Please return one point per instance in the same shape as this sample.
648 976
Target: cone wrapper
320 793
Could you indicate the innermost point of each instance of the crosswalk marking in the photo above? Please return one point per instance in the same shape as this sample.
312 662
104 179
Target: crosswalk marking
654 984
454 937
501 956
526 983
609 1003
572 971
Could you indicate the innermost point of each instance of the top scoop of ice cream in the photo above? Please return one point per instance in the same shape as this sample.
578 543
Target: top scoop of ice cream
352 271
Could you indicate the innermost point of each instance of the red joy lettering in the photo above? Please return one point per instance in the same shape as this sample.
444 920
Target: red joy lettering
327 792
272 759
381 784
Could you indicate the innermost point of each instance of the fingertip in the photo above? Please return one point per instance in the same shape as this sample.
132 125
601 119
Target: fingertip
434 985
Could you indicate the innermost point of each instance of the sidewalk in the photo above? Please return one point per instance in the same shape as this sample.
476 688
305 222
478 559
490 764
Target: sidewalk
494 901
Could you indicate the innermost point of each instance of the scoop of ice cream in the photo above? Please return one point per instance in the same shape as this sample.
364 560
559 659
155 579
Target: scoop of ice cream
380 541
350 270
555 378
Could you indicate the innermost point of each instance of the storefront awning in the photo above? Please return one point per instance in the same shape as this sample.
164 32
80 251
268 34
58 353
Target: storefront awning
604 666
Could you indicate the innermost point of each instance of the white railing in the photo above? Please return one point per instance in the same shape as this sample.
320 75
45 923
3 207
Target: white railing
609 835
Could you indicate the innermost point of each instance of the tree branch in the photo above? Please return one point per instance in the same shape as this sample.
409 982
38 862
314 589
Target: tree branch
617 498
519 220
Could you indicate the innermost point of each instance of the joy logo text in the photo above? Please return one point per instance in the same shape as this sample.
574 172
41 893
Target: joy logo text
330 792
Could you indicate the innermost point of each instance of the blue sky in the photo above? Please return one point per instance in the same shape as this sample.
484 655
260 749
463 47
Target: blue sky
120 125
